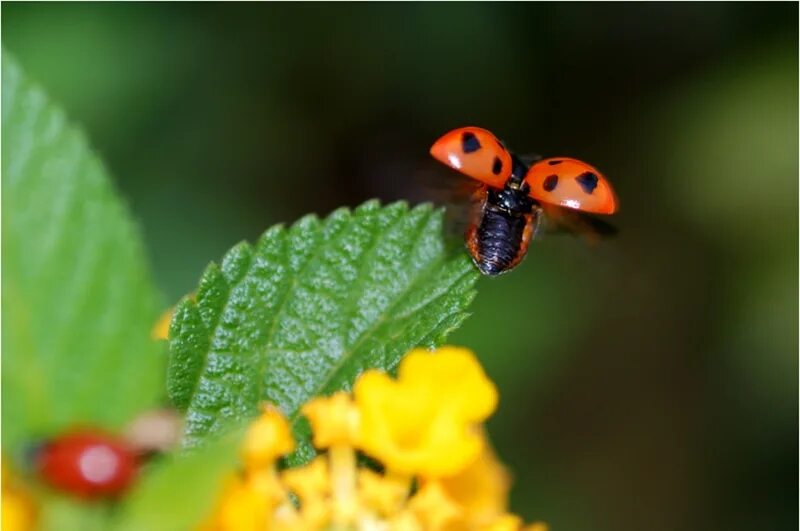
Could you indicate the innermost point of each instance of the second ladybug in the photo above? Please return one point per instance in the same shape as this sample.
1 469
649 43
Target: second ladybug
514 197
87 463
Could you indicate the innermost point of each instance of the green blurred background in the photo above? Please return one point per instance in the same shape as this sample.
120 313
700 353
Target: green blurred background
647 383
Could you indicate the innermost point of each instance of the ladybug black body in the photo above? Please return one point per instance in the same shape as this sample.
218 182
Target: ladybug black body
503 223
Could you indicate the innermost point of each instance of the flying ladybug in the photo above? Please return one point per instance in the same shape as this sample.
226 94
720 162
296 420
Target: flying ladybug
516 198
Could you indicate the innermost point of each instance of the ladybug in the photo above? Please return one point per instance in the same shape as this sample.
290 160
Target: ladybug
515 196
87 463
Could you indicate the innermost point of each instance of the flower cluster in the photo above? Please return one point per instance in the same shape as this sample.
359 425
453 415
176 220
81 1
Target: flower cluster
18 510
424 428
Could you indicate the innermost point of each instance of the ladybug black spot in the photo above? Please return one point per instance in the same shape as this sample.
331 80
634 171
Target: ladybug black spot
550 183
497 166
588 181
469 143
554 162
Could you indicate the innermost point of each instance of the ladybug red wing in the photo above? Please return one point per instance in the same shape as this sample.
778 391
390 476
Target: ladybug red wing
571 183
87 463
475 152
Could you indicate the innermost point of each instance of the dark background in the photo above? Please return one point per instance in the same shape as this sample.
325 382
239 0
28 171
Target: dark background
648 383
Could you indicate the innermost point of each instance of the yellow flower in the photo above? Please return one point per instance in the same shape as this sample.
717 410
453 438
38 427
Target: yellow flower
18 509
334 420
455 375
382 494
506 522
312 486
310 482
405 521
435 510
160 330
241 509
481 489
425 422
423 426
18 513
267 438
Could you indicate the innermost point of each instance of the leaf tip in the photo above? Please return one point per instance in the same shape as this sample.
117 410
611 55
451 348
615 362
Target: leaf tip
370 205
306 223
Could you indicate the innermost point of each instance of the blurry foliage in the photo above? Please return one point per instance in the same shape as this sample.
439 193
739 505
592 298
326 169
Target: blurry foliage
735 185
78 302
741 191
178 494
77 292
660 367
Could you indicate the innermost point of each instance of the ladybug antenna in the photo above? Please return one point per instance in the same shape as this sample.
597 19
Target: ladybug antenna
518 171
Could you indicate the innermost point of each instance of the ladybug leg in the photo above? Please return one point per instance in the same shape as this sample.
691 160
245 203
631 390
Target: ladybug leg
538 222
520 167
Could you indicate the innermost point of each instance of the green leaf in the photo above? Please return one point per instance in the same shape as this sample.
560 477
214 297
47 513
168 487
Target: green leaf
78 300
62 513
181 490
308 308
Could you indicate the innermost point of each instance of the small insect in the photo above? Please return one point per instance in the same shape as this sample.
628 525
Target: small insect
516 198
87 463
